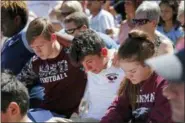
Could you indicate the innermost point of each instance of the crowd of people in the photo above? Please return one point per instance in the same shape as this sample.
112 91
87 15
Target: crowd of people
92 61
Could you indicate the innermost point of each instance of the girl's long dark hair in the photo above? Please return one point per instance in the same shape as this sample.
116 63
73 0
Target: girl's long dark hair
138 48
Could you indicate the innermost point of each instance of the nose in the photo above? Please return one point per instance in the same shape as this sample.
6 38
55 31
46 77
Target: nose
168 92
37 50
129 75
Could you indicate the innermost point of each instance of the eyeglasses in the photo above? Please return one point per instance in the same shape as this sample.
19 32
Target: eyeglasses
71 31
140 22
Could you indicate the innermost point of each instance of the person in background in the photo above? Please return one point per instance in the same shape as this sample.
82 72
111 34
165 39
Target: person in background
168 24
68 7
180 44
172 68
41 8
15 99
84 6
15 51
140 97
100 19
78 22
130 7
118 7
64 84
65 9
146 18
104 79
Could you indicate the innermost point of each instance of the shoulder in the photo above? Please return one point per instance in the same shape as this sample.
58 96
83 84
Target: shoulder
160 81
179 31
25 41
105 14
166 44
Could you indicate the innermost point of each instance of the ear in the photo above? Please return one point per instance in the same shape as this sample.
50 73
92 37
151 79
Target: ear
154 23
104 52
53 37
13 109
83 28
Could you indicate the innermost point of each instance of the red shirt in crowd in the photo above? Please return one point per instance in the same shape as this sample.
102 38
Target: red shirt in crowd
151 105
64 84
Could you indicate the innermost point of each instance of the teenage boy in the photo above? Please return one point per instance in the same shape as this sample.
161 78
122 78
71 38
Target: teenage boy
15 99
104 79
64 84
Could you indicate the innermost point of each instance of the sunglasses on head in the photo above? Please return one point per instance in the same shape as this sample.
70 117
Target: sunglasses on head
140 21
71 31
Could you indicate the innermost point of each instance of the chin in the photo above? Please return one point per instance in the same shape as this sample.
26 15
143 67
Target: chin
96 71
43 58
134 82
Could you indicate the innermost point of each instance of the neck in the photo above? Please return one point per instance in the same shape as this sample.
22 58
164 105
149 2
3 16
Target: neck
152 35
96 12
149 73
25 119
56 49
168 24
130 16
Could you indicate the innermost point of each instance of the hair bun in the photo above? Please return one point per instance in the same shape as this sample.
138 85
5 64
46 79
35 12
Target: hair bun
139 34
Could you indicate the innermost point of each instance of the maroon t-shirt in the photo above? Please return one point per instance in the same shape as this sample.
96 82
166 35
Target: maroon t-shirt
151 105
64 84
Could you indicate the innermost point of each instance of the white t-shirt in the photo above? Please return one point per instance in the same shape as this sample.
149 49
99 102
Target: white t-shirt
101 90
104 20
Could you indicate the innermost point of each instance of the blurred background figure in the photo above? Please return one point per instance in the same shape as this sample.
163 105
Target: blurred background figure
78 22
16 52
68 7
41 8
180 43
65 9
84 6
15 99
130 7
118 11
146 18
172 68
168 24
100 19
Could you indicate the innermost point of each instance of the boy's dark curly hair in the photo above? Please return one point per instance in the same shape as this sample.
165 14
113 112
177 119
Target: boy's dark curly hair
84 44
